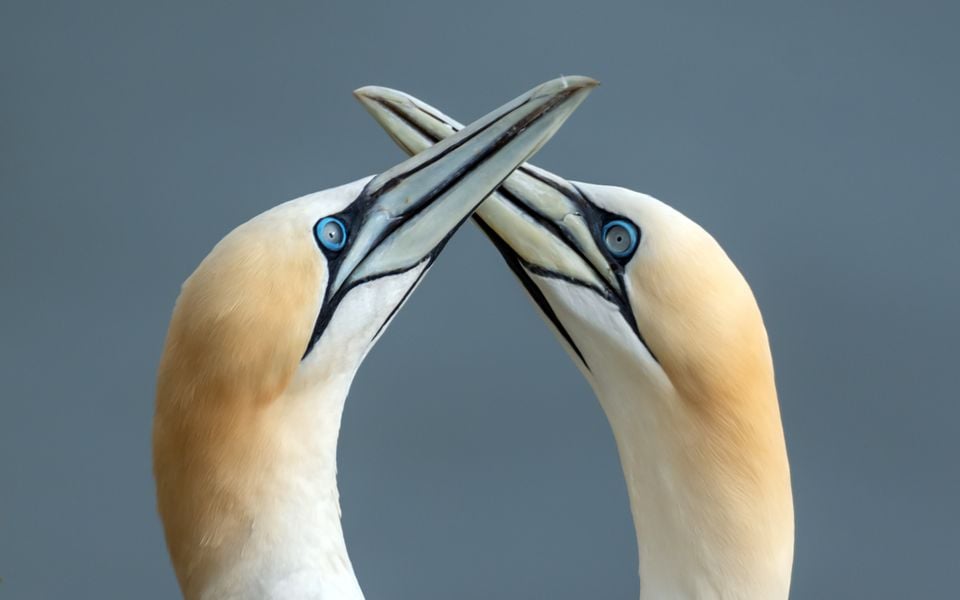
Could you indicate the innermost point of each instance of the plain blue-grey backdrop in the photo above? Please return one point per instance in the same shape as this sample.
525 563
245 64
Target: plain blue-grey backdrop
818 141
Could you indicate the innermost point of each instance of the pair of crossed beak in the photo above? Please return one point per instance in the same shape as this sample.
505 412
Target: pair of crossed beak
395 226
321 276
653 312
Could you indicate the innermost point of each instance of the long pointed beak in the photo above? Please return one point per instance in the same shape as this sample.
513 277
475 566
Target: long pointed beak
404 216
542 218
541 223
409 211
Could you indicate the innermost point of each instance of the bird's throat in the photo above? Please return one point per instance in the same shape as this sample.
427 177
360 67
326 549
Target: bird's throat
261 517
708 524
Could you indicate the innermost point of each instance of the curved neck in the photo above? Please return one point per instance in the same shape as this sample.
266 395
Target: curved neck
710 499
262 518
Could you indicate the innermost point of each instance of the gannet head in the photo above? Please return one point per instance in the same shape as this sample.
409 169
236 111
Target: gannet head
269 330
667 331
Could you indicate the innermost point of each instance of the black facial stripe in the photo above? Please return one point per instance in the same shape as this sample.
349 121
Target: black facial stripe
326 313
355 215
402 301
604 216
547 273
597 217
366 199
453 178
514 262
559 233
594 215
330 307
574 195
613 296
621 308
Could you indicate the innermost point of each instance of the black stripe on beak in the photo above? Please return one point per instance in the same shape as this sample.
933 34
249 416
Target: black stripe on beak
518 267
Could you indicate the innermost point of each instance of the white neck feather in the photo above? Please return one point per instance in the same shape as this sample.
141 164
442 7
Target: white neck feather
295 546
686 528
697 535
246 428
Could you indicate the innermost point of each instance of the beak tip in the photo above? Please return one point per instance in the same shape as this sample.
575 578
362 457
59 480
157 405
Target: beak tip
367 93
376 99
571 84
579 81
373 96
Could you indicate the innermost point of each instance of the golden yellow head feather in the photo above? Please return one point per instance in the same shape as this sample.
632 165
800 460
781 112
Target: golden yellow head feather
239 329
267 335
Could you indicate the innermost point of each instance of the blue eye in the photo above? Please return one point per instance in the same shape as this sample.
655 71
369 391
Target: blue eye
331 233
620 237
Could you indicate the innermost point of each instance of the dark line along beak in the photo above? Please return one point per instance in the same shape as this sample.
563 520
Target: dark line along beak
541 223
406 214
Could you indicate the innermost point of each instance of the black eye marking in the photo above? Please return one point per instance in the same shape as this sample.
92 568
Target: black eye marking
596 216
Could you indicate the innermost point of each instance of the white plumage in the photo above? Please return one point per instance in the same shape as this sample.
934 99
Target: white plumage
265 340
667 332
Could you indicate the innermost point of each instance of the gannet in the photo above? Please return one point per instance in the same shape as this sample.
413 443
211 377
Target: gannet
668 334
264 342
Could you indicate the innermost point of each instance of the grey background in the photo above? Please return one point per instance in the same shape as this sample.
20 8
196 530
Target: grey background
817 142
